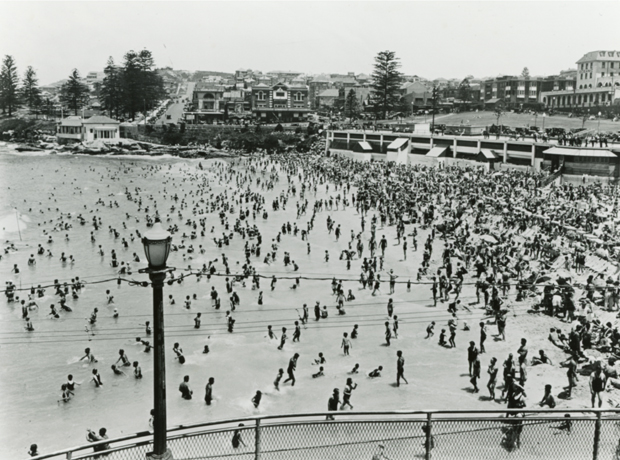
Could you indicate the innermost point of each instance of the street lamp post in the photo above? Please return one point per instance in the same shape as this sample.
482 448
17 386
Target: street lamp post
157 242
598 129
543 127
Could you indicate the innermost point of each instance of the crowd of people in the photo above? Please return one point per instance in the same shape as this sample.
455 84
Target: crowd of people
487 246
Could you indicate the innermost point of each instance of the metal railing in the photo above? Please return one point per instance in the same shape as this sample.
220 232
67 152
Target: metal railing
515 434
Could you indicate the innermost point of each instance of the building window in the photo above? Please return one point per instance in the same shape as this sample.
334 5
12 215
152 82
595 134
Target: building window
590 74
299 96
602 74
260 96
280 94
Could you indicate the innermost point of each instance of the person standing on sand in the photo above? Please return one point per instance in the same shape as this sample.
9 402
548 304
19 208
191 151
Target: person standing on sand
400 368
598 382
492 371
332 403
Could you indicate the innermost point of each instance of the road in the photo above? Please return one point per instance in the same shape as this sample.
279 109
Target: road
174 113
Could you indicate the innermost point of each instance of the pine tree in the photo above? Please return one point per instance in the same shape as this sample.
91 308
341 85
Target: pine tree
142 86
9 97
152 83
74 93
30 92
112 89
351 105
464 90
386 80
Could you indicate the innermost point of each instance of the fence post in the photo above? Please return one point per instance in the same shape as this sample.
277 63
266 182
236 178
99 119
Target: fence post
428 444
257 440
597 435
69 455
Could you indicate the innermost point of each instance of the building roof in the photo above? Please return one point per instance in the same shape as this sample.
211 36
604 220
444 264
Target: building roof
292 86
322 79
437 152
260 85
365 146
600 56
488 154
397 143
71 121
100 120
208 86
332 92
578 152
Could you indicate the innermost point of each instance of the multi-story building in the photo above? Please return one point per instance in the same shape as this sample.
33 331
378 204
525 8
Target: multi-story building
93 78
416 94
316 86
237 102
328 97
207 103
514 92
597 84
280 103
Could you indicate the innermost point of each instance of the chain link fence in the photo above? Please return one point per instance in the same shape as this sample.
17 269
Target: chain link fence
395 435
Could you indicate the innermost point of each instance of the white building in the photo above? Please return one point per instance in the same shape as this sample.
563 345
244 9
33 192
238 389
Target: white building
70 129
96 127
101 127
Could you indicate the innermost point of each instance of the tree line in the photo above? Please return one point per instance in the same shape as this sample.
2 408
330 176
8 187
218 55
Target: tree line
126 90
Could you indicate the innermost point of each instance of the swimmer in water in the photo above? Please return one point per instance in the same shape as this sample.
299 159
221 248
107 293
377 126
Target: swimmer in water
256 399
146 343
66 393
376 373
88 356
123 358
97 378
117 371
276 382
71 383
137 372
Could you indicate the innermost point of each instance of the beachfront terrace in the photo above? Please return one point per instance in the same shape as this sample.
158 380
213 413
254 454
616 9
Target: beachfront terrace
435 149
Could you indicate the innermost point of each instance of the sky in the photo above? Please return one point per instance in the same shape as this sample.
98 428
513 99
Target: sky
432 39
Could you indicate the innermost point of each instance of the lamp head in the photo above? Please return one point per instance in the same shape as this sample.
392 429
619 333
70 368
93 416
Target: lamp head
157 242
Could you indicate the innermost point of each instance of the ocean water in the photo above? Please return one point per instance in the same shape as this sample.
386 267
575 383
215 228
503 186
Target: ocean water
39 190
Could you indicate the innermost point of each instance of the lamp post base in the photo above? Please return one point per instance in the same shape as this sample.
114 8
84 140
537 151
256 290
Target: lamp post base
165 456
